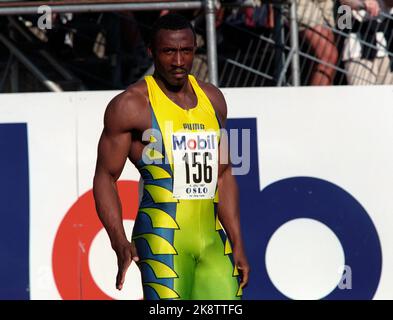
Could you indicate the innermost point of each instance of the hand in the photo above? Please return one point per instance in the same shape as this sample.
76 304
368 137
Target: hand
372 7
126 253
242 265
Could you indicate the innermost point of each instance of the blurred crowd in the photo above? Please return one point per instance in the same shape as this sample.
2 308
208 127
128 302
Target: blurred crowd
354 37
367 49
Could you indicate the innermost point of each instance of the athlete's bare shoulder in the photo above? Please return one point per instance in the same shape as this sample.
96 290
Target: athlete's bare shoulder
216 97
127 110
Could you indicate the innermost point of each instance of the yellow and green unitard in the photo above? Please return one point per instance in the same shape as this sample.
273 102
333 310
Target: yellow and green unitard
183 250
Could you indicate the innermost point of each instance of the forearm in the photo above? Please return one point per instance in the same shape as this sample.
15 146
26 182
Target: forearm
354 4
108 207
228 207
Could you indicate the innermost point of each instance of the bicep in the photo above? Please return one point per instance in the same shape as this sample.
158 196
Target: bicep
113 150
115 141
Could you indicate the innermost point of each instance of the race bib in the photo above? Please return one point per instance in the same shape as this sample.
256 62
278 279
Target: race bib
195 164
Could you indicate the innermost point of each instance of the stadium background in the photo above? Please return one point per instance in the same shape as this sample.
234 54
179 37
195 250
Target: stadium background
315 204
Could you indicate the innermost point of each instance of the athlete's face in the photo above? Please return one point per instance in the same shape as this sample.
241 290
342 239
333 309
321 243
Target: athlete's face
173 54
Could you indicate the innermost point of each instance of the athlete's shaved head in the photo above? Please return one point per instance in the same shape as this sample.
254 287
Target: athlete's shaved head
171 21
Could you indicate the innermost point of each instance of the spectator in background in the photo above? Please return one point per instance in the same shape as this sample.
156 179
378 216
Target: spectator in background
316 20
316 23
252 17
366 49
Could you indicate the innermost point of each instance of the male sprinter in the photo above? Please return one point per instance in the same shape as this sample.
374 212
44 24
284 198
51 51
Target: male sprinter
178 241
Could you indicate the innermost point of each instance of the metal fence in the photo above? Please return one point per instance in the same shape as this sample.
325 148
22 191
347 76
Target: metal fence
67 6
336 46
240 43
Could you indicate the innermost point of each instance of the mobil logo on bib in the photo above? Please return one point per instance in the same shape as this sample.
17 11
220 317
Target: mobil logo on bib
194 141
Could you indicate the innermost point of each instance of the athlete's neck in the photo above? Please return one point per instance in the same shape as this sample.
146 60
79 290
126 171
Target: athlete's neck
169 88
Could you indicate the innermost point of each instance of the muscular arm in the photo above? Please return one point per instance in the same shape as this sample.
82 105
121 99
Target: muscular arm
354 4
228 206
228 212
113 149
371 6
